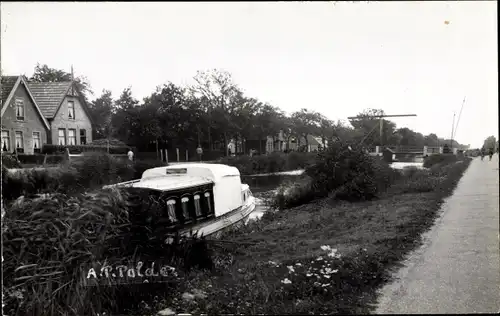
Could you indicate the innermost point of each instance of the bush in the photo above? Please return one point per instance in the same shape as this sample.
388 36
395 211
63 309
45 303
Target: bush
270 163
92 171
439 159
78 149
36 159
10 161
348 173
291 194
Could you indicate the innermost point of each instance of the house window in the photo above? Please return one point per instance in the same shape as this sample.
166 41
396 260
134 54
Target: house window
62 137
5 141
19 142
72 137
19 109
83 137
71 110
36 142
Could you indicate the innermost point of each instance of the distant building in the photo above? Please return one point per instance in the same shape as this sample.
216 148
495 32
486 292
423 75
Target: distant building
34 114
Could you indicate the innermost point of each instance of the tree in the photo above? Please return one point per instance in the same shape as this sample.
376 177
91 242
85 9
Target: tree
306 123
368 124
44 73
125 110
102 110
220 92
490 142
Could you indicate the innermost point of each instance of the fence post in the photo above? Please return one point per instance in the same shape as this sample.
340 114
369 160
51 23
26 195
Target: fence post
177 150
161 155
440 150
425 151
166 156
187 155
377 149
45 159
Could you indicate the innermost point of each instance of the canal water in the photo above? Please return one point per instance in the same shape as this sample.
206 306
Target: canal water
264 186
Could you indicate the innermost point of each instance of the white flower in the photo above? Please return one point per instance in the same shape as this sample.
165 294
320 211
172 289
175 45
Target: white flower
286 281
290 269
272 263
308 275
325 285
319 258
298 264
326 276
325 248
333 254
317 284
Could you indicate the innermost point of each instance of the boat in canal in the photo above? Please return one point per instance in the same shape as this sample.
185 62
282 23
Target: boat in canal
196 198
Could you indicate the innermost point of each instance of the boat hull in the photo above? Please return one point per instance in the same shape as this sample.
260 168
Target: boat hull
219 224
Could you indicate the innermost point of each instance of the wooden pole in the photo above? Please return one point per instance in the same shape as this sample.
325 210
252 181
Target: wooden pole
452 129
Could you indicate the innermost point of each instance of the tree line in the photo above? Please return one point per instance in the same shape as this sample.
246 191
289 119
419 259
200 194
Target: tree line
214 110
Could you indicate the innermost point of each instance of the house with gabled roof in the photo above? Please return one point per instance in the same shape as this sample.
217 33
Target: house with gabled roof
24 128
65 110
38 113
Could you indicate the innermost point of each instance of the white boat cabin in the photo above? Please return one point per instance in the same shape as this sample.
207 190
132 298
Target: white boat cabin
193 193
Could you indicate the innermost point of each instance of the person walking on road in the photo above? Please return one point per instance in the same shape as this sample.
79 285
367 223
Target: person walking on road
482 153
491 153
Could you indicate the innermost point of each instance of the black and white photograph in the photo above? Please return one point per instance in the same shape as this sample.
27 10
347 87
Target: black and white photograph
249 158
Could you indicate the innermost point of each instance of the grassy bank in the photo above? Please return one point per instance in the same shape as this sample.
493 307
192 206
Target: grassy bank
270 163
326 256
90 172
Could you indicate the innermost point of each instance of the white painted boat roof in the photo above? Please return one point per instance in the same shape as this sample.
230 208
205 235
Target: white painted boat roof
171 182
209 171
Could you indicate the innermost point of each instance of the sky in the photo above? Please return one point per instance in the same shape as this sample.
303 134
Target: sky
337 58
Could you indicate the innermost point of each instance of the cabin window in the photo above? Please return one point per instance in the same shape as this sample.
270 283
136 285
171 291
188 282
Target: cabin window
185 208
62 136
19 109
197 205
209 205
19 142
72 137
171 211
83 137
71 110
36 142
5 141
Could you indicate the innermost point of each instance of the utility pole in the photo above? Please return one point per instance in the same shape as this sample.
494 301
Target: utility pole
380 123
452 129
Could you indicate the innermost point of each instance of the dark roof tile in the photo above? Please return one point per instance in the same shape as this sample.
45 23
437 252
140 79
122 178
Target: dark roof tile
8 83
49 95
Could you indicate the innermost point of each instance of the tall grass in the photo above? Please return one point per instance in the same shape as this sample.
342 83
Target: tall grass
48 243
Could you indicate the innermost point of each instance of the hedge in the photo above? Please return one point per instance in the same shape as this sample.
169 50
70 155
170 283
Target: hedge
78 149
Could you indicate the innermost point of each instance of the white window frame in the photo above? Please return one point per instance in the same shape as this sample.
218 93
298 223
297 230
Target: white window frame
69 136
8 140
20 101
39 140
69 112
22 140
59 136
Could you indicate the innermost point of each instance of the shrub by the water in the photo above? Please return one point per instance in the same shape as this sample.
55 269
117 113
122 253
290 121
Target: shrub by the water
270 163
348 173
90 172
439 159
293 193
